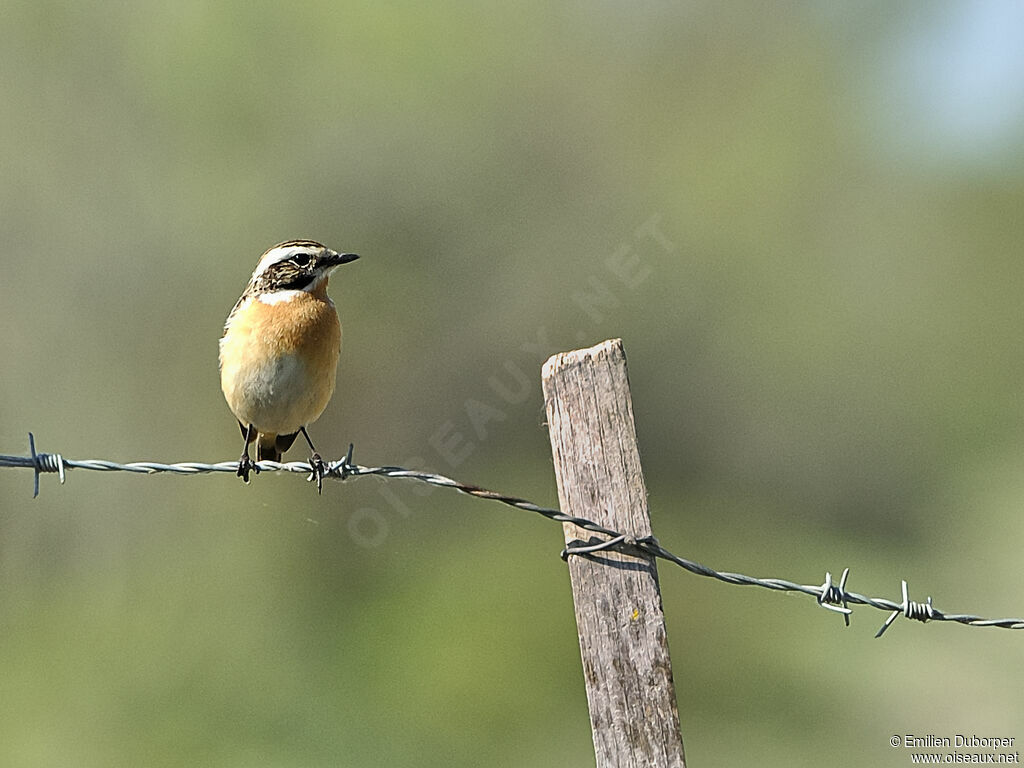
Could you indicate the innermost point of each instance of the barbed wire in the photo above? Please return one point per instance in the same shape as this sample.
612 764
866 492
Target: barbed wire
833 597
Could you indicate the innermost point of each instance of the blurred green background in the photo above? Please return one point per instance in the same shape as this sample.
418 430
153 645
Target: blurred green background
804 220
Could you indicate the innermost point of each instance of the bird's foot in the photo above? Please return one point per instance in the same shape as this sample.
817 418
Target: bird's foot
245 466
319 470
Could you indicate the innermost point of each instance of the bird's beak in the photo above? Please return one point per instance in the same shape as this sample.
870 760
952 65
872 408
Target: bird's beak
334 259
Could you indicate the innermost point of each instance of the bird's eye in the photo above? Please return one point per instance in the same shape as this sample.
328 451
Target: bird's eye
302 259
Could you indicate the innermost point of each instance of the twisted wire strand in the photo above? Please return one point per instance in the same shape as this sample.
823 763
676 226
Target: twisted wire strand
828 595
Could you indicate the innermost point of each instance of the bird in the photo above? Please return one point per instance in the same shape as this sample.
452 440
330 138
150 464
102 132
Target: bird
279 351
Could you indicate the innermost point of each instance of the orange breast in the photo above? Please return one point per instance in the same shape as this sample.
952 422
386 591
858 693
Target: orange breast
279 361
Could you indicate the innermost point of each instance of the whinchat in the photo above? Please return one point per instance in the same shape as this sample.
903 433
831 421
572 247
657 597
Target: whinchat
279 352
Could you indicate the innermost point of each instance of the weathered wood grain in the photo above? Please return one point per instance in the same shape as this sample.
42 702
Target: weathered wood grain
626 663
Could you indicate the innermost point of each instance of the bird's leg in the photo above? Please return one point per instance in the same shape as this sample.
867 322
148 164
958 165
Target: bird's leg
315 462
246 464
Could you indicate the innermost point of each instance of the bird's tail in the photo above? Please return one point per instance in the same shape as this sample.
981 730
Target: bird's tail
271 447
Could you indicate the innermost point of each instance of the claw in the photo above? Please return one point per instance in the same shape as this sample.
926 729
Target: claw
245 466
319 470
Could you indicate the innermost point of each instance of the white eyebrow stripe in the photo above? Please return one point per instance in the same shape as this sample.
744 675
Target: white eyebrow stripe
276 255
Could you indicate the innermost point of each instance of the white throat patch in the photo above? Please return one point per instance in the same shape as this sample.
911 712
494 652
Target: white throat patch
280 297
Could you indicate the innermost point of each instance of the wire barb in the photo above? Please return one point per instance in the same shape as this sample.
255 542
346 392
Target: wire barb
832 596
44 462
828 595
918 611
343 468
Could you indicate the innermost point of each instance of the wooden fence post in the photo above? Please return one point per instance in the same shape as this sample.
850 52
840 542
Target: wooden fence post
626 663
